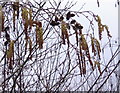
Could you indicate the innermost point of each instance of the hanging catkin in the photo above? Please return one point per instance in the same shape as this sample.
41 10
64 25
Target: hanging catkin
39 36
10 55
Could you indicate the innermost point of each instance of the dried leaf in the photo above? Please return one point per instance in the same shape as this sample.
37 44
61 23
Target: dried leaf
73 21
78 26
69 15
72 15
54 23
6 43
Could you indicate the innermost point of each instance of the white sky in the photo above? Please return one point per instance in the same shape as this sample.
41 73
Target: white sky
107 11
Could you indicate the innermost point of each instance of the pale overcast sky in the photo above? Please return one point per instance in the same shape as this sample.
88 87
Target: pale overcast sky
107 11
